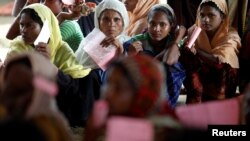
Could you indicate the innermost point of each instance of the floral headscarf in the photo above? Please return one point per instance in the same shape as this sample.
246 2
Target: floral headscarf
148 80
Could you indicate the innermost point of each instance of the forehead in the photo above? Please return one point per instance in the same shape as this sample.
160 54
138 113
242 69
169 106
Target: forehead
25 17
159 16
208 9
110 13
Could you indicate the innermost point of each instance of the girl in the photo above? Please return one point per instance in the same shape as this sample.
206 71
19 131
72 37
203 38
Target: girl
212 69
161 41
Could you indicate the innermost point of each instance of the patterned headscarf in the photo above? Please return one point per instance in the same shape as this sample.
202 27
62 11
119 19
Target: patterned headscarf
226 40
147 78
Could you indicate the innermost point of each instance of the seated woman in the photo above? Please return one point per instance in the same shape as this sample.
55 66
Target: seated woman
70 30
31 97
138 11
134 88
161 41
212 68
76 95
111 18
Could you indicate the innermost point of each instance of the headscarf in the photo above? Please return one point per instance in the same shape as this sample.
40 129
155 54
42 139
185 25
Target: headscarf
139 14
167 6
41 107
62 57
113 5
148 80
81 55
226 40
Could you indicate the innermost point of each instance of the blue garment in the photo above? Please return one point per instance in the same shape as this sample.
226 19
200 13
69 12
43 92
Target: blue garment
175 74
175 77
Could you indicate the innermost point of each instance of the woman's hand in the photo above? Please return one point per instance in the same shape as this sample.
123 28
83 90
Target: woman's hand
134 48
43 49
180 31
172 54
113 41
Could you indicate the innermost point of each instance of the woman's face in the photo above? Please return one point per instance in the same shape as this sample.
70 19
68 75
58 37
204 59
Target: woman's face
54 5
210 19
158 26
130 4
111 23
29 29
118 92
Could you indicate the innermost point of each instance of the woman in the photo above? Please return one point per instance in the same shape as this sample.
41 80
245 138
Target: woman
77 86
31 97
212 69
70 30
138 11
161 41
134 88
111 18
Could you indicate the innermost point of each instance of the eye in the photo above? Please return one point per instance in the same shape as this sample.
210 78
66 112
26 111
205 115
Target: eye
117 19
210 15
105 19
163 25
152 24
201 15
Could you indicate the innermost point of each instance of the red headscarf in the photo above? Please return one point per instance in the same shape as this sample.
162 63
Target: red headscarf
148 79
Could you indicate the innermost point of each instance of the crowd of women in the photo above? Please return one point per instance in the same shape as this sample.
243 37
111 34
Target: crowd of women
49 86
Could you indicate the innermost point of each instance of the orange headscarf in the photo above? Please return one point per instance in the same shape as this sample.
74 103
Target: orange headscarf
226 40
139 15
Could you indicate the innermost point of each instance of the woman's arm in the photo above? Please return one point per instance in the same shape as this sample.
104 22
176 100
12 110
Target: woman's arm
206 57
172 53
14 30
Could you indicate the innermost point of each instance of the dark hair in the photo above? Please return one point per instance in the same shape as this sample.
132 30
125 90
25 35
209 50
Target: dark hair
212 4
170 16
33 15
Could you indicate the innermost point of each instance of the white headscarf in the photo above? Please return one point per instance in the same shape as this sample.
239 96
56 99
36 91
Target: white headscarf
114 5
81 55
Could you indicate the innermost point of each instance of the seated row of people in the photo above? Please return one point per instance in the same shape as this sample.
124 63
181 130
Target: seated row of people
209 68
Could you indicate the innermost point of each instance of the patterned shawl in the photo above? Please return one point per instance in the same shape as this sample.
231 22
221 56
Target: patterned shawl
148 79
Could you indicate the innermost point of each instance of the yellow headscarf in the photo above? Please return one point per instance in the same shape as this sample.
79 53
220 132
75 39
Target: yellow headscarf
226 40
61 54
